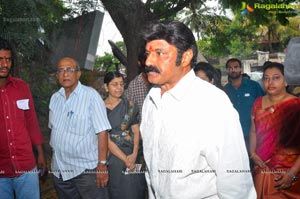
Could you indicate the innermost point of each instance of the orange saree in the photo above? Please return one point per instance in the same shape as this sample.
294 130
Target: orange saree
278 144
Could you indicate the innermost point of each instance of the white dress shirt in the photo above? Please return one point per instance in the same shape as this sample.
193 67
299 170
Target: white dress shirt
193 144
75 123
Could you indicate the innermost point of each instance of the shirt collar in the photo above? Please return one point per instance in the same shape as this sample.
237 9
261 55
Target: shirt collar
10 81
179 90
76 91
245 80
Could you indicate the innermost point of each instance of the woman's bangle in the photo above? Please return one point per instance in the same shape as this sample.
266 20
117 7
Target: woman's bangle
294 178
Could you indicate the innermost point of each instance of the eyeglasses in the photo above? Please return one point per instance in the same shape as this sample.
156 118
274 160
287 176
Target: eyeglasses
7 59
66 70
116 84
273 78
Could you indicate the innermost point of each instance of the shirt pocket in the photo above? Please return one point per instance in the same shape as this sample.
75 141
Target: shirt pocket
79 124
248 99
19 112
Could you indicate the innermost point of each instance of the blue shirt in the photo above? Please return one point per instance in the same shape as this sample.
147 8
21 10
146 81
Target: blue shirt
75 123
243 99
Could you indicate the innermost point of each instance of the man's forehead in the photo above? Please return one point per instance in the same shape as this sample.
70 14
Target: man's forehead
3 51
66 63
157 45
233 63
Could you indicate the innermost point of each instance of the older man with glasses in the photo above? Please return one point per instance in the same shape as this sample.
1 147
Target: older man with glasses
79 125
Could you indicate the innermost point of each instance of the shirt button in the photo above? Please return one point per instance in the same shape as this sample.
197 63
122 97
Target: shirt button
10 144
7 117
13 156
9 130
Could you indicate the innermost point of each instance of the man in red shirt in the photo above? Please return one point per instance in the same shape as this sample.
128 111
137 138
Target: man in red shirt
19 130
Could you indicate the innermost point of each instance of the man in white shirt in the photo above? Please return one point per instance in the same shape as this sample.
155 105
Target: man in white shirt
193 141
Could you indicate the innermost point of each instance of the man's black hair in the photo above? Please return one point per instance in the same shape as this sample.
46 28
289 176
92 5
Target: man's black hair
4 45
175 33
233 60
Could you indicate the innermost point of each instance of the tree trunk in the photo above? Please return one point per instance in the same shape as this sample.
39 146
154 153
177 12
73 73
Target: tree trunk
130 16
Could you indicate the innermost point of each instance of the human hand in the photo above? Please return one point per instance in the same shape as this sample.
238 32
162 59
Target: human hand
41 164
283 181
131 159
127 163
258 161
101 175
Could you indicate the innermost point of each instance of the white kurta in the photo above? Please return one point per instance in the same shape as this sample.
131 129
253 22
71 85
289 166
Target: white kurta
193 144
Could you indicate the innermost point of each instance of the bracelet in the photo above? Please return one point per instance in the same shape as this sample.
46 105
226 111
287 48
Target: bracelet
104 162
294 178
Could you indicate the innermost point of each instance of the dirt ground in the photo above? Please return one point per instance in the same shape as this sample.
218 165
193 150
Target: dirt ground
47 189
46 185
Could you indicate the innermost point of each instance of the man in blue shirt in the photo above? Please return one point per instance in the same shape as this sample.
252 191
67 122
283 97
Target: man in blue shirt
79 126
242 93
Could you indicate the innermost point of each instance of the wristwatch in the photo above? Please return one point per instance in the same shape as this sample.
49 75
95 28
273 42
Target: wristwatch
294 178
104 162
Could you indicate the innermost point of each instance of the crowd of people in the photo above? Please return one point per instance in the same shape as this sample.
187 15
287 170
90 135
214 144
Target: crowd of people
175 132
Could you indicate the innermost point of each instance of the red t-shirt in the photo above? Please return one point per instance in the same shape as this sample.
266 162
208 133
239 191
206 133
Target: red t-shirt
19 129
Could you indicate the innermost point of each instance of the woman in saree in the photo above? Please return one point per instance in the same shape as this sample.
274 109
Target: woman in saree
275 138
126 180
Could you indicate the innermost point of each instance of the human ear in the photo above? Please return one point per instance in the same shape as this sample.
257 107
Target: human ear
187 57
105 88
78 74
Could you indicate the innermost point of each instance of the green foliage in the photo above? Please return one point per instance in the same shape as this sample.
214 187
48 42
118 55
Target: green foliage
26 24
289 31
106 63
213 46
240 48
274 31
237 38
42 89
202 20
242 37
122 46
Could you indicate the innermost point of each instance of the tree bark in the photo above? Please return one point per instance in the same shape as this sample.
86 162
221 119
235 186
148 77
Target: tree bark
130 16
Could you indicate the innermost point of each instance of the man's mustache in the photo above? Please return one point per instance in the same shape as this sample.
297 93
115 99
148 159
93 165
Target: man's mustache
4 67
151 69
